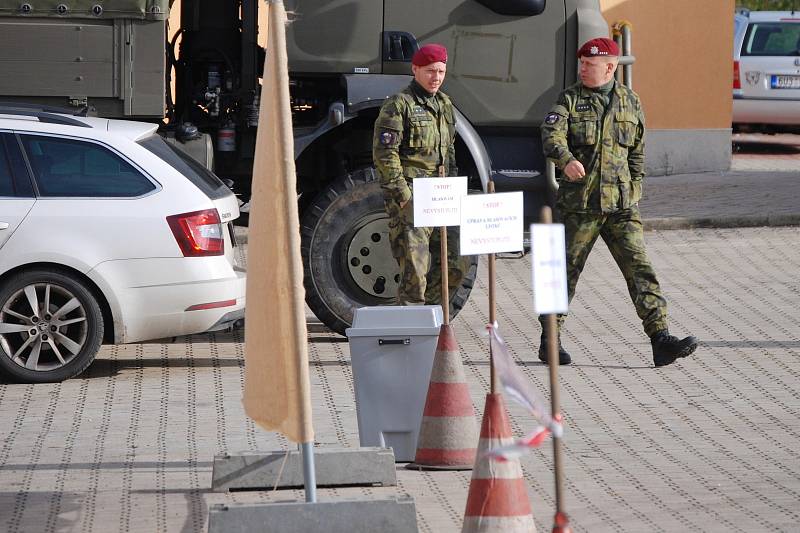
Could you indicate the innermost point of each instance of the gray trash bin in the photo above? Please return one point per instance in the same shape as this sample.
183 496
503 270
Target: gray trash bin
391 350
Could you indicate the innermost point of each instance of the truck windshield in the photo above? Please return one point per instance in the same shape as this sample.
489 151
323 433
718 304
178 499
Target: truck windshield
772 39
205 180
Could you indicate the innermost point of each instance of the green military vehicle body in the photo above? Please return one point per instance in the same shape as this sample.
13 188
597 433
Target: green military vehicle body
508 60
68 53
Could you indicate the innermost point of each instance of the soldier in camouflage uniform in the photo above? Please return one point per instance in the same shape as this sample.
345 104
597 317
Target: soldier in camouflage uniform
594 134
413 137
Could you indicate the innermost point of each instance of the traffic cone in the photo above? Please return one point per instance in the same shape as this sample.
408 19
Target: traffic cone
497 499
448 428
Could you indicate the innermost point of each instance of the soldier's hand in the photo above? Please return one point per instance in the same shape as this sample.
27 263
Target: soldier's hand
403 204
574 171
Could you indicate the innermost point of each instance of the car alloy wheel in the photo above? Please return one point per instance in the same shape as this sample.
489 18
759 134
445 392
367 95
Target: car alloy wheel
50 327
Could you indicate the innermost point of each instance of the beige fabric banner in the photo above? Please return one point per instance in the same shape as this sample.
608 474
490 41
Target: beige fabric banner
276 384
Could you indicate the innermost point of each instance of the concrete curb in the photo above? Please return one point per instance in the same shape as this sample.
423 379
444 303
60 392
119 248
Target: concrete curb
387 515
659 224
335 467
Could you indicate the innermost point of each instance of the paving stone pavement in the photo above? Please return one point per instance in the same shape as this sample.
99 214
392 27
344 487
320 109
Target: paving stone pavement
711 443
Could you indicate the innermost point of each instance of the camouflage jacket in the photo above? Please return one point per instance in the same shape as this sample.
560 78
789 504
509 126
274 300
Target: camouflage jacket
607 141
413 136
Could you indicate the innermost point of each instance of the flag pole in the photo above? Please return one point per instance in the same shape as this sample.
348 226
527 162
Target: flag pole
309 472
284 403
277 37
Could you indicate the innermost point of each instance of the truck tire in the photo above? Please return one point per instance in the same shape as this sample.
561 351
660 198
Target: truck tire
347 260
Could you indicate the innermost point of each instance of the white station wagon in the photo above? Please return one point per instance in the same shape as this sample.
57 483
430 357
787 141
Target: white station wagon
107 234
766 71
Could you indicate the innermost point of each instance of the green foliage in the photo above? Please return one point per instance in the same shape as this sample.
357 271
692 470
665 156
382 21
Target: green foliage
769 5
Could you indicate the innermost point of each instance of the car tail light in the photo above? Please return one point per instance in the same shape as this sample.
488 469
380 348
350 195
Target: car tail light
737 81
198 233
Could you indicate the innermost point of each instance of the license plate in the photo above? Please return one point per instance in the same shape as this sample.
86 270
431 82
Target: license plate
785 82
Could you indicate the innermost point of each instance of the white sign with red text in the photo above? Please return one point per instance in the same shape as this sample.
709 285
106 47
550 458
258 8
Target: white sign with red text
548 258
491 223
437 201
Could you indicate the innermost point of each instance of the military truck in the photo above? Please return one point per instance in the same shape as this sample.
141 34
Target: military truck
118 58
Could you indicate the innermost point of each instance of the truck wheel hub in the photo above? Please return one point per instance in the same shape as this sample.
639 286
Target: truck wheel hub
369 258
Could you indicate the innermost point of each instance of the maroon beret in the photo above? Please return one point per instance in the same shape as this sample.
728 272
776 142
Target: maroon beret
602 46
430 53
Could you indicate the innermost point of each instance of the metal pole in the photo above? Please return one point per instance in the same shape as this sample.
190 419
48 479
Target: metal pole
309 474
622 31
552 356
494 379
550 173
626 50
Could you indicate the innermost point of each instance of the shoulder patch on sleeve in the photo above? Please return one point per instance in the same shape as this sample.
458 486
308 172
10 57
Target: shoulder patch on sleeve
388 138
557 112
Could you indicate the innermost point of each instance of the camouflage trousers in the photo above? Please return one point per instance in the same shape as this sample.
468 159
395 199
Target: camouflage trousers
623 234
418 254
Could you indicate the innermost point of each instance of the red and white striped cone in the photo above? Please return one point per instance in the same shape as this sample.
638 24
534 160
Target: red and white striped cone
448 428
498 499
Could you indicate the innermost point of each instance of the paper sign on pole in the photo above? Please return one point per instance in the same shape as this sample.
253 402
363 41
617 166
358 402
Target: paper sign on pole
491 223
437 201
548 258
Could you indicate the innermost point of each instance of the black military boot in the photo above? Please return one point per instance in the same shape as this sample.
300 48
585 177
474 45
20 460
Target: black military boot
667 348
563 355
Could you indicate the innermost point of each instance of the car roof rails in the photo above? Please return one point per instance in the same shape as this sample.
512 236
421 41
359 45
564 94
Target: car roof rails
44 108
48 117
742 11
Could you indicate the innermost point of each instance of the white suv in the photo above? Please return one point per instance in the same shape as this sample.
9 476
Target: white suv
106 234
766 71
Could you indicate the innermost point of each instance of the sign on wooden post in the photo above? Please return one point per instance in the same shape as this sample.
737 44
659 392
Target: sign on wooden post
548 259
437 201
491 223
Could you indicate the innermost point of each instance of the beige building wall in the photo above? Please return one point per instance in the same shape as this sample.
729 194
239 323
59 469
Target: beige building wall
683 74
683 69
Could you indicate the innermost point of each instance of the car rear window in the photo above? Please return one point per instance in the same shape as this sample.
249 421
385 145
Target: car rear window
204 179
772 39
